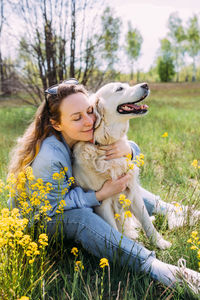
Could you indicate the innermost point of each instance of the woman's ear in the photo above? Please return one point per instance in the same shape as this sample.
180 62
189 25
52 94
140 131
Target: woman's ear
55 125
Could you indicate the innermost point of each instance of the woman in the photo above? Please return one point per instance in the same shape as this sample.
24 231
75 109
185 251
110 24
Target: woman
65 118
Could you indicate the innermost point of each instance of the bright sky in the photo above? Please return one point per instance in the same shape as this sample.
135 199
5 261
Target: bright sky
150 18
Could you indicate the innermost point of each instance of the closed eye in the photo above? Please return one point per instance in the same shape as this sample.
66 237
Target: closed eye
120 88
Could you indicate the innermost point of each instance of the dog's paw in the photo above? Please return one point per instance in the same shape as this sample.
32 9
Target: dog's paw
162 244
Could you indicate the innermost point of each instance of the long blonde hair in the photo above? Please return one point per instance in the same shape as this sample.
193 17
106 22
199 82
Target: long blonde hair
29 144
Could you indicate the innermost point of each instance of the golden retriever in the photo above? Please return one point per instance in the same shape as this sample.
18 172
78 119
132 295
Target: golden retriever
114 104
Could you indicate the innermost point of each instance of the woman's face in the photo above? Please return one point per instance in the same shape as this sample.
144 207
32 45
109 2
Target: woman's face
77 119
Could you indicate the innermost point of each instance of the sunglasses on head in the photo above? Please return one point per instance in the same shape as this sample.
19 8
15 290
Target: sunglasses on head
53 90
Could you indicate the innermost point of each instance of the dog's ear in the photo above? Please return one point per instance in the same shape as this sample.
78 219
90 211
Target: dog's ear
98 110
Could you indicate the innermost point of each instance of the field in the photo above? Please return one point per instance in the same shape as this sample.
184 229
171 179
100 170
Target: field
173 108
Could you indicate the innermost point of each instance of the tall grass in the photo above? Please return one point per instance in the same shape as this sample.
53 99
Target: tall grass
167 172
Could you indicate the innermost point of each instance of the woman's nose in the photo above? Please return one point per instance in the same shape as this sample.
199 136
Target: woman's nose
89 120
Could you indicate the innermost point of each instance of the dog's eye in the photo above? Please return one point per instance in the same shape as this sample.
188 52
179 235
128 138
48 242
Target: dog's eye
119 89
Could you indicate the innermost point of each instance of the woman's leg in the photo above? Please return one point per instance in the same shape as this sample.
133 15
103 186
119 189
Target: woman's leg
100 239
177 216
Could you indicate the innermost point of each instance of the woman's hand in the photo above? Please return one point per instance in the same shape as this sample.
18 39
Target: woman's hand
112 187
117 149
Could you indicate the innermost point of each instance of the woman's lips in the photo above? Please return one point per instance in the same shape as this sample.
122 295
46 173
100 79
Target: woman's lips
88 130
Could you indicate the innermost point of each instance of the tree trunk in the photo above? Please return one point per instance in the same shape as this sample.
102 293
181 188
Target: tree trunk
73 38
194 70
1 73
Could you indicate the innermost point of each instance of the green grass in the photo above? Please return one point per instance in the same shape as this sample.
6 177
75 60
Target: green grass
167 172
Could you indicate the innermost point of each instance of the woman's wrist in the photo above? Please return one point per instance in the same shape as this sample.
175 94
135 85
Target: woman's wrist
99 195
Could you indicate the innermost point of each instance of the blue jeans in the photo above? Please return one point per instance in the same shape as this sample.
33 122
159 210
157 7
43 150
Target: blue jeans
99 238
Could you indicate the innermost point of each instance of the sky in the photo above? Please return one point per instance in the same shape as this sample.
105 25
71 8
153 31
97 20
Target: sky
150 18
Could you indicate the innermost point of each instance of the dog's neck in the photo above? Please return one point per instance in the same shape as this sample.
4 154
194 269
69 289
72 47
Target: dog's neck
107 134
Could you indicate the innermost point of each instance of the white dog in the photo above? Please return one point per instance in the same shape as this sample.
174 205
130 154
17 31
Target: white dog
115 104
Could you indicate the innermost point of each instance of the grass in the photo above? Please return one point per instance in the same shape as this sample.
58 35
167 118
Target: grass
173 108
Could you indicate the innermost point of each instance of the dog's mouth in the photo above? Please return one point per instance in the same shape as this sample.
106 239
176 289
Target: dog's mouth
133 108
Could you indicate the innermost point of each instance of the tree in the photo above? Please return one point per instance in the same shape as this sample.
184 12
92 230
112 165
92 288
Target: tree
193 42
165 61
177 37
1 59
133 48
56 44
109 38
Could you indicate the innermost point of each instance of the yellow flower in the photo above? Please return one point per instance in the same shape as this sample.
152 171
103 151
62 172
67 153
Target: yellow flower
117 217
193 247
31 261
56 176
127 214
71 180
74 251
5 212
195 163
194 234
24 298
29 174
79 265
131 166
165 134
43 240
189 241
122 198
103 263
129 156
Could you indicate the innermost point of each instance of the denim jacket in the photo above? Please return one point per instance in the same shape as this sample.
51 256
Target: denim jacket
54 155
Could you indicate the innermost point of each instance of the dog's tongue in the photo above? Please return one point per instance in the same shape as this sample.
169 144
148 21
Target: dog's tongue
130 106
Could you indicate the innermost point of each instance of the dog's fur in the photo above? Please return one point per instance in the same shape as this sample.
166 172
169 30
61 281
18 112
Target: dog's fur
91 170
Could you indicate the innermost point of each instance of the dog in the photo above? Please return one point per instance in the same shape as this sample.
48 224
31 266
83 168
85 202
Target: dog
114 105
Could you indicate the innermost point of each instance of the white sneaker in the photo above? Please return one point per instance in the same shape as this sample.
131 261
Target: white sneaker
190 277
182 215
170 275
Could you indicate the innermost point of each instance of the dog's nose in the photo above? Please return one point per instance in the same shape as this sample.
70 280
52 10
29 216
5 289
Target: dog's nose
145 86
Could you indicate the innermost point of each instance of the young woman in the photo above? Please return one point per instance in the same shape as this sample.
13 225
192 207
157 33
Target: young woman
65 118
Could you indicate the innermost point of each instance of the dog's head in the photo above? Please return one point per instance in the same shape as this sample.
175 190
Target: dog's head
117 102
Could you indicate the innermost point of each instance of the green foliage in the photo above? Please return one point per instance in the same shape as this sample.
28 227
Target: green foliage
165 61
173 108
193 41
110 38
133 45
166 69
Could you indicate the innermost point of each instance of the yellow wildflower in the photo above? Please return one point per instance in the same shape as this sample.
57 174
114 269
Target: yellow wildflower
79 265
165 134
122 198
43 240
117 216
127 214
129 156
24 298
194 234
195 163
56 176
103 263
193 247
74 251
